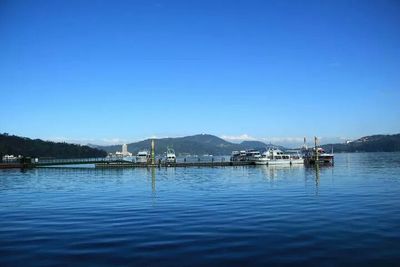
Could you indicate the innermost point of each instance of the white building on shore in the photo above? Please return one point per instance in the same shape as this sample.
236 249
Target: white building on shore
124 152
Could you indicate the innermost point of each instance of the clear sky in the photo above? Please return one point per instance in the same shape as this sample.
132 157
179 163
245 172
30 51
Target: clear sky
125 70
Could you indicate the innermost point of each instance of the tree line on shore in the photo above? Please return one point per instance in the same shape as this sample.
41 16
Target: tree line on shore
37 148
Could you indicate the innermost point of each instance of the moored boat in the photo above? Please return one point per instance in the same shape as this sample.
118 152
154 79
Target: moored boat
143 156
238 155
252 155
170 156
276 156
317 155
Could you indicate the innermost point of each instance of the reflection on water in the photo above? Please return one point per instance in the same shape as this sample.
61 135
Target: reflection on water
232 216
317 173
272 172
153 180
313 173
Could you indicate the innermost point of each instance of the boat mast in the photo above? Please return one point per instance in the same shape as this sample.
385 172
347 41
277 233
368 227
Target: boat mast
152 152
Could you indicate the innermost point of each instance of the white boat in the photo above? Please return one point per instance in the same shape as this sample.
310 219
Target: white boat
276 156
252 155
170 157
142 156
239 155
263 160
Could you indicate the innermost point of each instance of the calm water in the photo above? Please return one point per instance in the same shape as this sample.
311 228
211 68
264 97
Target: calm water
348 214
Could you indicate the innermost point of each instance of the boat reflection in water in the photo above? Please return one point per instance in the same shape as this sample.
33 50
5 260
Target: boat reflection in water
281 171
312 174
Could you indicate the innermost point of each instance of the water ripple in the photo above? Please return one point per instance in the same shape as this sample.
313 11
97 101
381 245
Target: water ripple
235 216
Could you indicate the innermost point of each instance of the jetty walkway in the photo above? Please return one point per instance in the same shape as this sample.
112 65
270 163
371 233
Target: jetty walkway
116 163
177 164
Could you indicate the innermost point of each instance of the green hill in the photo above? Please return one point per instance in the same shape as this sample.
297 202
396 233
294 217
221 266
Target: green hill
15 145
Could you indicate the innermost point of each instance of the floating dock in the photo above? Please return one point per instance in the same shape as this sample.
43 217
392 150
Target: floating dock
107 163
11 166
177 164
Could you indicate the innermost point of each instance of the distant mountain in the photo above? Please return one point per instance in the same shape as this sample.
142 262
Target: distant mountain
195 145
15 145
373 143
253 144
261 146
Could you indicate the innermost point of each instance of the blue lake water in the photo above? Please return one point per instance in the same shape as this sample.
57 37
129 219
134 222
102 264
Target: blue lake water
348 214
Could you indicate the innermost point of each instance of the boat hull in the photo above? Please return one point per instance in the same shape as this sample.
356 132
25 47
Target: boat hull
324 159
141 160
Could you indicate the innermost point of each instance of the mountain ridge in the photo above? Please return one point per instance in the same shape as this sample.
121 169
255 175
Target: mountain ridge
198 144
17 145
371 143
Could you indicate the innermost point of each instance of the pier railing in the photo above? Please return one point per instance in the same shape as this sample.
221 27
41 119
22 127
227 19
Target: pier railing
189 161
48 162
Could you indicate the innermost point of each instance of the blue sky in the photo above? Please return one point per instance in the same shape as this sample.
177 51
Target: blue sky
114 71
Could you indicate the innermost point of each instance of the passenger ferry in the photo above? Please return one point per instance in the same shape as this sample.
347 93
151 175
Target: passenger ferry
245 155
274 156
238 155
252 155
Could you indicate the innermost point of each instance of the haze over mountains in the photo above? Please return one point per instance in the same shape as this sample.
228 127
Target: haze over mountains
210 144
195 145
372 143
